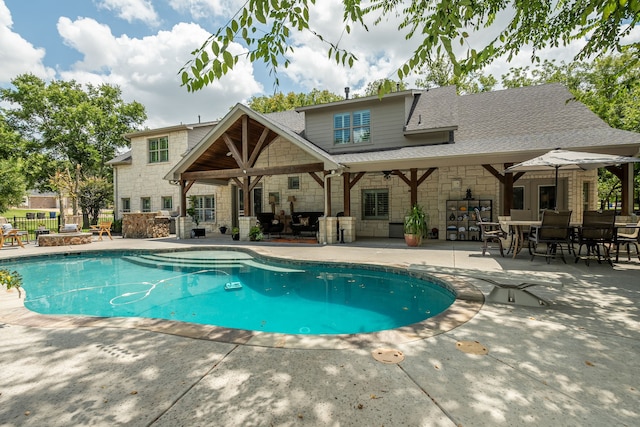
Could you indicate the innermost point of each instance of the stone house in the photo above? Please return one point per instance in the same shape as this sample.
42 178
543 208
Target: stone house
368 160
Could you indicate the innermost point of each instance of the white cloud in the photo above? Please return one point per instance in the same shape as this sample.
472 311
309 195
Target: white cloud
18 55
146 70
199 9
380 51
383 49
132 10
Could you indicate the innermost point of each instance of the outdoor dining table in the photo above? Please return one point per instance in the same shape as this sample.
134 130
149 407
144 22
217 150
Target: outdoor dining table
517 233
518 227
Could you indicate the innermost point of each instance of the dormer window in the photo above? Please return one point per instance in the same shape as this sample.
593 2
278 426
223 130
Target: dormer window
352 128
159 150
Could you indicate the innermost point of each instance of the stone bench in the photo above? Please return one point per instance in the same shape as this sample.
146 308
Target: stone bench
64 239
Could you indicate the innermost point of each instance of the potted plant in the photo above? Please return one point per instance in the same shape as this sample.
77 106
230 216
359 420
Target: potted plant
191 211
415 225
223 229
235 233
255 233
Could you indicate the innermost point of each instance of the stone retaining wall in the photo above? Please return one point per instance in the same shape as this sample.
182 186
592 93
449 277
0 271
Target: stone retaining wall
64 239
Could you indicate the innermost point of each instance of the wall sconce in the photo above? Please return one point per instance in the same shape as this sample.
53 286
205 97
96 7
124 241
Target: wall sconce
387 174
291 199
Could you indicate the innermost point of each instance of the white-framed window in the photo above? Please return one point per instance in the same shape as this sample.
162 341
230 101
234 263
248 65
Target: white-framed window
342 129
206 208
352 128
167 202
145 204
361 126
375 204
294 183
159 150
125 204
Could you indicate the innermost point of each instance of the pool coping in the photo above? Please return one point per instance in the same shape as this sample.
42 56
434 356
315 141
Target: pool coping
468 302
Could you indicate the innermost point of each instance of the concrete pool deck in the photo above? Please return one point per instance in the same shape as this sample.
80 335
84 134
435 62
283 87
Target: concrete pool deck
573 363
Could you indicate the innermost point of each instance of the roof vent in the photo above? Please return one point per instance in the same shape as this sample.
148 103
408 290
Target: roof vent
346 92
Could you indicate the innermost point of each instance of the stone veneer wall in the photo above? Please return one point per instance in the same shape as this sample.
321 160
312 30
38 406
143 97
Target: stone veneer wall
64 239
143 179
144 225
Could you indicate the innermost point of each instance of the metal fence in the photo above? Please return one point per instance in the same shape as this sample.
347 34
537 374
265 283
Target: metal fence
48 221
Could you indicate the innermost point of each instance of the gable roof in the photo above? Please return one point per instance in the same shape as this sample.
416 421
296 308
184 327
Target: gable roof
210 152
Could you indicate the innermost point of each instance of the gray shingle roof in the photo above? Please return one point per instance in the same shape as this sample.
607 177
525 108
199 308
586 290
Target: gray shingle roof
436 108
291 119
522 120
123 158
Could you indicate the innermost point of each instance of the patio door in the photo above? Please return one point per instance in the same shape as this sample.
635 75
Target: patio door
237 203
546 197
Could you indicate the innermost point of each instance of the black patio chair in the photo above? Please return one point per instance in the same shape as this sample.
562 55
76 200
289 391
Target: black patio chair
553 233
596 232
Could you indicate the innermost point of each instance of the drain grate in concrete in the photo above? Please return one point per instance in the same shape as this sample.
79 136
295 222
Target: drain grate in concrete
387 355
471 347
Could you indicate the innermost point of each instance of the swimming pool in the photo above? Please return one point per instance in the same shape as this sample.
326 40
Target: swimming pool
231 289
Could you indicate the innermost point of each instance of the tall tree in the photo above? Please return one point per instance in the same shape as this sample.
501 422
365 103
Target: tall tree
66 125
379 86
609 86
12 185
439 72
439 26
94 195
281 102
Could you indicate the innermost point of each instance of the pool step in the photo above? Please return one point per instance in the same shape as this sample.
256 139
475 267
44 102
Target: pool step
180 265
203 259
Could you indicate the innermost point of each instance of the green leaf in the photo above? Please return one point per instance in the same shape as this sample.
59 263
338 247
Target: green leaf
228 58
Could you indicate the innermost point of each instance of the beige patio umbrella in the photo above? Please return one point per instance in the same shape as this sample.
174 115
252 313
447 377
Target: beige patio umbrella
558 158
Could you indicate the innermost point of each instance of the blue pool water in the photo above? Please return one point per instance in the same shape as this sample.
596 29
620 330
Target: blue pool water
295 298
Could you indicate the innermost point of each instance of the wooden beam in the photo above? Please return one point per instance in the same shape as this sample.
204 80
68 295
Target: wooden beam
232 148
258 147
426 175
273 170
245 140
237 181
183 198
327 195
627 189
246 195
413 189
355 180
508 192
346 196
188 186
517 176
254 183
317 179
403 177
495 173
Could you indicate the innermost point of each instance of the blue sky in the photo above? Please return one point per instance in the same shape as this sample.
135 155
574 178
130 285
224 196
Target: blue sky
140 46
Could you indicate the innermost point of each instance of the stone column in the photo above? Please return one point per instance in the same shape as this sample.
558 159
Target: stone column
348 224
245 224
327 230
